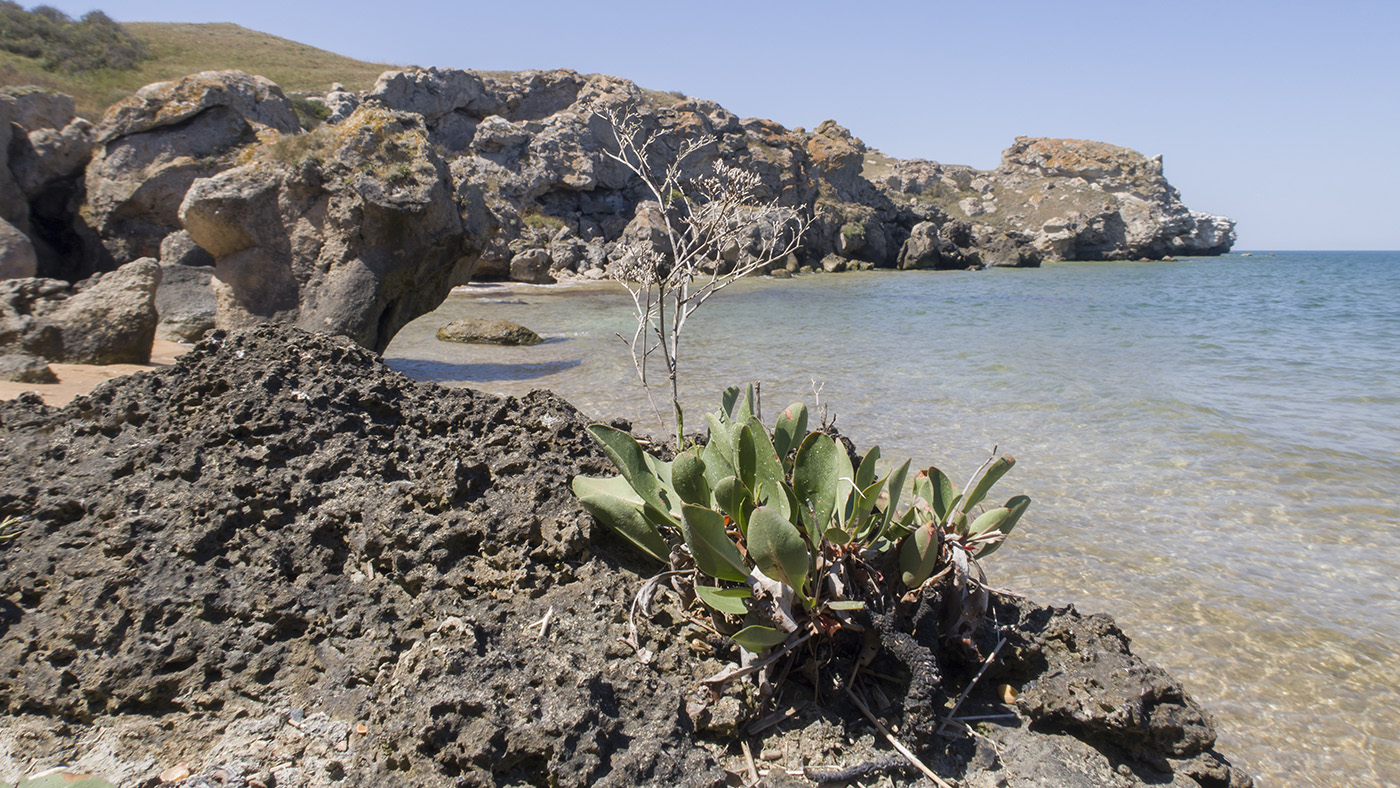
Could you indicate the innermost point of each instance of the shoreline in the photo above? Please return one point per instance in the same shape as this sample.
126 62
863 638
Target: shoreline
76 379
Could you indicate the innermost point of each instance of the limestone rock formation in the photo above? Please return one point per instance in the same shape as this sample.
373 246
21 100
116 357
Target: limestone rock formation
17 259
153 145
107 319
1072 199
437 175
43 150
351 229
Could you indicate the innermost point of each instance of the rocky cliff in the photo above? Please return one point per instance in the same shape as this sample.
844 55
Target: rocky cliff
433 176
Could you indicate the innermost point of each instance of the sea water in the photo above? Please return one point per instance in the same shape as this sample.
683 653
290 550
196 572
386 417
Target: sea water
1212 447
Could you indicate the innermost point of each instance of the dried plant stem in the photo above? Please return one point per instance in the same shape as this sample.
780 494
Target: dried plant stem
986 663
905 751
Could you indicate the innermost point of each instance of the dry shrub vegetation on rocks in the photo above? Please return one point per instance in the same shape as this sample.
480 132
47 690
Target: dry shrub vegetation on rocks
281 563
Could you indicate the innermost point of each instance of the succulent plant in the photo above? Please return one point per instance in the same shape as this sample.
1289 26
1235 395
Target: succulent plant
789 535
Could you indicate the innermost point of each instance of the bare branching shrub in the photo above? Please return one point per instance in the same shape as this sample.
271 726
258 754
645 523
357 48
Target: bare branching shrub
714 230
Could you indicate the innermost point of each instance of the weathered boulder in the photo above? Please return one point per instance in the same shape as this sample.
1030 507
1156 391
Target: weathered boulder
153 145
52 154
185 302
836 157
14 208
532 266
17 259
340 102
475 330
43 150
941 246
22 367
107 319
351 229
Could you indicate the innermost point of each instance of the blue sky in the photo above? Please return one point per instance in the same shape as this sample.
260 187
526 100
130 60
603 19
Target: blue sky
1282 115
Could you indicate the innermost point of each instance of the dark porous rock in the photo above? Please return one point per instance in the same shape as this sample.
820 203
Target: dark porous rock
277 558
487 332
1075 675
245 557
24 368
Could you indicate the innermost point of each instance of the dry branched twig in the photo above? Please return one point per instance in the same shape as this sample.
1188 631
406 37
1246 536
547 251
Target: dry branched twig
716 231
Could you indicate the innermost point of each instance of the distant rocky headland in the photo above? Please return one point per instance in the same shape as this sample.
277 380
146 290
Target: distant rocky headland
203 202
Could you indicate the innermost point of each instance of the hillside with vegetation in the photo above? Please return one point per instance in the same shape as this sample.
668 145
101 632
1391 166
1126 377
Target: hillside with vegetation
99 62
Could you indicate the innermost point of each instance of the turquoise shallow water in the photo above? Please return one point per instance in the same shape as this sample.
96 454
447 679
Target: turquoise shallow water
1212 445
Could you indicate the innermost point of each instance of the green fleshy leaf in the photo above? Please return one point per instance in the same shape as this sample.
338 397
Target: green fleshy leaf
845 487
745 456
837 536
995 471
735 500
943 493
615 504
865 500
718 457
846 604
918 556
769 478
1017 505
688 479
988 520
777 548
728 399
895 484
790 429
814 482
865 472
758 638
726 600
715 553
746 406
634 464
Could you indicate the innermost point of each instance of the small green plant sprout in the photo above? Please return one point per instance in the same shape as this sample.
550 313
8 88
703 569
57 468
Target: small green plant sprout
784 534
713 229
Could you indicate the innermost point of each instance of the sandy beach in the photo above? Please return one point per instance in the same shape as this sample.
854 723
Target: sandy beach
75 379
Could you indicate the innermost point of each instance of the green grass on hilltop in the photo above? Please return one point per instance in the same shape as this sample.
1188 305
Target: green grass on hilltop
177 49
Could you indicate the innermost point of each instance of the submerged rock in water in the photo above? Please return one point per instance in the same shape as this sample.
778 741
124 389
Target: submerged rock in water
279 561
488 332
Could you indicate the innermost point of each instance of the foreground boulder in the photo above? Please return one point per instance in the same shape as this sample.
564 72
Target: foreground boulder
279 562
351 229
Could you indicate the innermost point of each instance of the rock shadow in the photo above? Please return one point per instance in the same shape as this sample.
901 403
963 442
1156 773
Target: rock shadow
448 372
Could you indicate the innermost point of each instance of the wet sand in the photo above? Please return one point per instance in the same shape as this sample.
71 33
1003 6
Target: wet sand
75 379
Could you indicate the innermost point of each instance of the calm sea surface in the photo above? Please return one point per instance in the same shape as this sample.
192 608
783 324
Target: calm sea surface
1212 445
